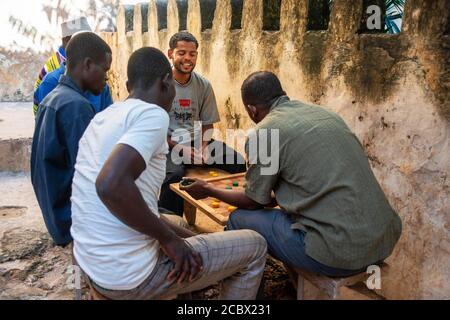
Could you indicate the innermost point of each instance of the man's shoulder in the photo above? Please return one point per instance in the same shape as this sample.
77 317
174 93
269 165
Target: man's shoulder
63 97
200 80
298 111
49 83
52 77
136 109
285 117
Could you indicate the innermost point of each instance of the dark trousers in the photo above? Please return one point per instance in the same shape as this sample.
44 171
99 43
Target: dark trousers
174 173
283 243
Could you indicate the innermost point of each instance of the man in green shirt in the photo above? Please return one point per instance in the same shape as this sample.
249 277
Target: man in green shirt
334 217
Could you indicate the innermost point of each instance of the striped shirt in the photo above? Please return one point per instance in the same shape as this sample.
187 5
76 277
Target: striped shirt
53 63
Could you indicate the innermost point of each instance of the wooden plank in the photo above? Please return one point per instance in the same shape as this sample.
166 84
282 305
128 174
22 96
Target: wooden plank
328 285
231 176
203 173
190 212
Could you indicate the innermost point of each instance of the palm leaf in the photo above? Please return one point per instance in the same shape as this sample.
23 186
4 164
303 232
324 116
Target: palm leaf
394 11
395 5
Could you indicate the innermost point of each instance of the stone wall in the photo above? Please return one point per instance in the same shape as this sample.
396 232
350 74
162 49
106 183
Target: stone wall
18 72
392 90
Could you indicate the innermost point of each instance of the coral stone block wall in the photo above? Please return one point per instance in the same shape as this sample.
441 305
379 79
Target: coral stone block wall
392 90
18 73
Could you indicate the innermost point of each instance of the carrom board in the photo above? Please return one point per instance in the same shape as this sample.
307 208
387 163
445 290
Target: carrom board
220 214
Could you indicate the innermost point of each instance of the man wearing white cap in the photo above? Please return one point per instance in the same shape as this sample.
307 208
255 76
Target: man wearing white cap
55 67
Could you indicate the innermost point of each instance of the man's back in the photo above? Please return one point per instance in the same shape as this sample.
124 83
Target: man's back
101 240
59 125
326 183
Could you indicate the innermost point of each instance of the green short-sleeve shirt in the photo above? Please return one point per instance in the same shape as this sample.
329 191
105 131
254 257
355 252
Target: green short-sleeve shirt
324 182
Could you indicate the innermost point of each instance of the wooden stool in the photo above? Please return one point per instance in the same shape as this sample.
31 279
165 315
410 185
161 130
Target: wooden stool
330 286
95 295
190 211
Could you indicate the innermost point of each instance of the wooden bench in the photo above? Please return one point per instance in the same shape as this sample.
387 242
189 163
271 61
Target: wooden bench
95 295
330 286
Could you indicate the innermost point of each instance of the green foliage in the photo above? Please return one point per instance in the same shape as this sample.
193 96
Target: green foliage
394 11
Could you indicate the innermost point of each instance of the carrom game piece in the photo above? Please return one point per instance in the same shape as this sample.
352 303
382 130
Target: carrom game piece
186 182
213 174
215 205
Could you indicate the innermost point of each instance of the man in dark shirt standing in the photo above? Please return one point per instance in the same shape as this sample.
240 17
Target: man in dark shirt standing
59 127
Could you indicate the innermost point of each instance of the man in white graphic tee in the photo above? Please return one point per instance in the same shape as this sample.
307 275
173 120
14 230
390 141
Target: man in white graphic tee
192 117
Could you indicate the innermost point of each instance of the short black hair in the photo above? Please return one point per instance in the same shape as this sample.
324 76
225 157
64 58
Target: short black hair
85 45
261 88
146 65
182 36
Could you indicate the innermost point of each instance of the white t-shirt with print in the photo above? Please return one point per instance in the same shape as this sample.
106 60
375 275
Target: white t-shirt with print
112 254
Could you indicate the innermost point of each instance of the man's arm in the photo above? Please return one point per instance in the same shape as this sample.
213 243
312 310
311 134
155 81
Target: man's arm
205 128
209 113
117 189
258 192
200 189
206 139
171 143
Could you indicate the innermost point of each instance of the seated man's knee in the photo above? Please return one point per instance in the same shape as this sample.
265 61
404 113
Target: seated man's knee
175 174
175 220
180 172
261 243
235 220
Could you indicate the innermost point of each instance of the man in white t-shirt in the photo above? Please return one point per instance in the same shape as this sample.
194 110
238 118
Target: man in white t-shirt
126 248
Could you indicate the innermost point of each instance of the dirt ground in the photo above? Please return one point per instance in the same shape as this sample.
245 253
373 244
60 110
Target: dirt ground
31 267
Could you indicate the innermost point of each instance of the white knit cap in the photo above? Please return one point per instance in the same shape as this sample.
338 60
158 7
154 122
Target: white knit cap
69 28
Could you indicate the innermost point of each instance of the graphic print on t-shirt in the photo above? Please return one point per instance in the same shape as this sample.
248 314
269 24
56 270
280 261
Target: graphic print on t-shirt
194 102
185 103
183 112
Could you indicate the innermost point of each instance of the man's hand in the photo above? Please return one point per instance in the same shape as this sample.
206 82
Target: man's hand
198 189
189 153
197 157
188 262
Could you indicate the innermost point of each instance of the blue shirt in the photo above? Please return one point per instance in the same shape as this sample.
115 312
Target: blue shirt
62 118
50 82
